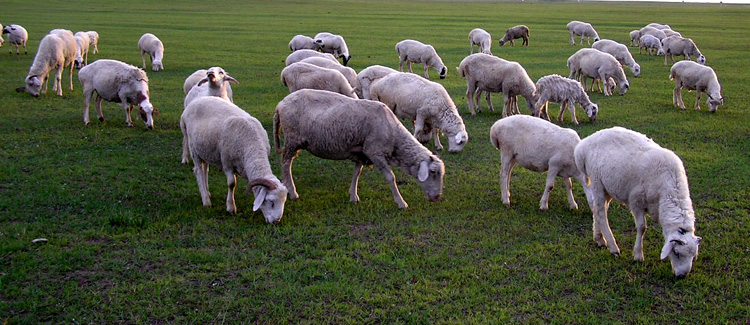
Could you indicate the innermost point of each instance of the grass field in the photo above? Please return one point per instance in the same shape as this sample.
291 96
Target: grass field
130 242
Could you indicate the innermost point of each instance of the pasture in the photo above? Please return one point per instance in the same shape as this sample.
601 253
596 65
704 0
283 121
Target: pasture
130 242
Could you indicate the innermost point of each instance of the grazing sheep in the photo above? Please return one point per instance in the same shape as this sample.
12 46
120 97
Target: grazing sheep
94 36
303 75
17 35
414 51
117 82
223 135
200 74
482 39
700 78
515 32
334 44
349 73
425 103
658 33
539 146
300 55
567 92
333 126
676 45
658 26
669 32
300 42
620 52
369 75
492 74
579 28
151 45
56 51
83 42
635 36
628 167
650 43
592 63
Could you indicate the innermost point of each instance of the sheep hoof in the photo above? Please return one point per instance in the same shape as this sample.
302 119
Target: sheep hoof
543 207
101 119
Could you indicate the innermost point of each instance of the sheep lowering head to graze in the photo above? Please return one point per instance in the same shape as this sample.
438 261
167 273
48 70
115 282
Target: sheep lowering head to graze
414 51
628 167
17 35
334 44
567 92
694 76
118 82
592 63
579 28
650 43
635 36
300 55
539 146
302 42
368 76
676 45
492 74
82 49
516 32
620 52
658 33
57 50
94 37
482 39
349 73
333 126
151 45
303 75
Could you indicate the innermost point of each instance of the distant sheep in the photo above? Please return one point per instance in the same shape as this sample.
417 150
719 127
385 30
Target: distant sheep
334 44
368 76
669 32
658 33
300 55
579 28
303 75
516 32
635 37
482 39
620 52
414 51
17 35
658 26
56 51
567 92
676 45
94 36
592 63
83 42
694 76
301 42
650 43
492 74
152 45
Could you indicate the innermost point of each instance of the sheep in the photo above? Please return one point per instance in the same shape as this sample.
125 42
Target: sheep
94 37
515 32
56 51
694 76
118 82
223 135
557 89
492 74
369 75
414 51
539 146
635 36
83 42
333 126
300 42
658 26
480 38
151 45
628 167
669 32
676 45
17 35
579 28
592 63
309 76
334 44
417 99
620 52
200 74
349 73
300 55
650 42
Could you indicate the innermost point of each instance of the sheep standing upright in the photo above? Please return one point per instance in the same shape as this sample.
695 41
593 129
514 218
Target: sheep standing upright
620 52
694 76
303 75
516 32
333 126
414 51
151 45
628 167
650 43
492 74
334 44
557 89
368 76
579 28
676 45
592 63
482 39
302 42
56 51
201 74
18 36
658 33
83 41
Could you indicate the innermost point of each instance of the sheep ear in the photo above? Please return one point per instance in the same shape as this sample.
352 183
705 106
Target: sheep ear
204 80
230 79
424 171
259 198
666 249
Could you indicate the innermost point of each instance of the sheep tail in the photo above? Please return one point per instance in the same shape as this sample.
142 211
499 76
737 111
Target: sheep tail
276 132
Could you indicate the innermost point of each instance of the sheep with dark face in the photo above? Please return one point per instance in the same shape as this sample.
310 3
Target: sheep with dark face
516 32
302 42
17 35
579 28
417 52
334 44
83 41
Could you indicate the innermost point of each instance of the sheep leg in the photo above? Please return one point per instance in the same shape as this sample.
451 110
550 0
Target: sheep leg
572 108
426 73
602 224
353 197
488 99
438 145
677 96
470 89
201 176
185 143
58 80
562 110
572 39
88 93
506 168
401 64
551 175
569 188
640 226
506 104
128 109
408 64
698 100
515 106
71 77
231 184
287 159
99 108
383 166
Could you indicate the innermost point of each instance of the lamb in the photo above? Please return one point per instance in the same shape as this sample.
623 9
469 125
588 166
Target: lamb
658 33
515 32
414 51
480 38
94 37
492 74
700 78
223 135
650 43
17 35
635 36
417 99
628 167
557 89
676 45
334 44
83 42
349 73
620 52
300 55
118 82
579 28
539 146
56 51
300 42
151 45
369 75
333 126
592 63
308 76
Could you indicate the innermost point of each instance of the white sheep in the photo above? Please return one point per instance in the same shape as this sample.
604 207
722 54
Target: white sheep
539 146
658 26
199 75
56 51
516 32
349 73
424 102
300 55
658 33
628 167
579 28
83 42
592 63
151 45
300 42
635 36
17 35
568 92
117 82
334 44
669 32
482 39
369 75
223 135
694 76
303 75
676 45
94 37
620 52
492 74
333 126
417 52
650 43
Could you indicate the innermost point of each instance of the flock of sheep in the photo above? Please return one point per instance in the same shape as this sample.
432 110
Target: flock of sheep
335 113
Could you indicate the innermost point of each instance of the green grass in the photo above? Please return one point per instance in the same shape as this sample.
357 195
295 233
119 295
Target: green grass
129 241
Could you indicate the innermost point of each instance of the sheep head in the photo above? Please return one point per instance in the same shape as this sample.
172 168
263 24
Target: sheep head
430 177
217 77
33 85
270 197
682 248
